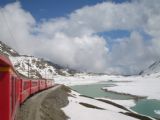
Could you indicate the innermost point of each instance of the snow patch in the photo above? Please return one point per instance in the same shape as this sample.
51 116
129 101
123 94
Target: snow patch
125 103
157 112
35 66
78 112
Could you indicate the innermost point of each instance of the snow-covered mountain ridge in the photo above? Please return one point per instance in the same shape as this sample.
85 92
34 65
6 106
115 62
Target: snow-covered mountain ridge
33 67
152 70
40 68
7 50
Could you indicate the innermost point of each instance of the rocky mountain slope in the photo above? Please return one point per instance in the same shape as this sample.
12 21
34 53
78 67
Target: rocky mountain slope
152 70
33 67
7 50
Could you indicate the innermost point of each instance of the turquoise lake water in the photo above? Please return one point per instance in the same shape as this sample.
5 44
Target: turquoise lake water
95 90
145 106
148 107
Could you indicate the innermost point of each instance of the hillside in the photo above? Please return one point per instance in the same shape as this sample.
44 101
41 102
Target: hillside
7 50
33 67
152 70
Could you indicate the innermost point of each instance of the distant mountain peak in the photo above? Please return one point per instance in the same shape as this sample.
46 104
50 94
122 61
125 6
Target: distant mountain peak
152 70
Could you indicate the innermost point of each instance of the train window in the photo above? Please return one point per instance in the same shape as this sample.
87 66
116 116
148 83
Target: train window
12 93
15 90
41 82
1 75
11 96
34 84
26 85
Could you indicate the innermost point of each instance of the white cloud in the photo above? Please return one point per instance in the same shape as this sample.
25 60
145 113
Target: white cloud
72 40
130 55
16 27
85 52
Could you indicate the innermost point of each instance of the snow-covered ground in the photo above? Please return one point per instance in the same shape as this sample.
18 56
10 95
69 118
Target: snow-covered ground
127 103
82 79
76 111
137 85
157 112
141 86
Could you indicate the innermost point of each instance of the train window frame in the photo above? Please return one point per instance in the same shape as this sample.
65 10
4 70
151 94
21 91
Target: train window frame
12 94
34 83
26 85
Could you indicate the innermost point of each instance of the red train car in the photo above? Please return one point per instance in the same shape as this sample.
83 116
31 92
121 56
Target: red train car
25 89
42 84
34 86
9 90
48 83
14 89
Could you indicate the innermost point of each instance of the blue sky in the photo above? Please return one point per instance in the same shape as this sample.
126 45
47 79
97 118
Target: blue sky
120 36
44 9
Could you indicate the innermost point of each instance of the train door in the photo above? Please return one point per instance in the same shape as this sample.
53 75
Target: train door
14 99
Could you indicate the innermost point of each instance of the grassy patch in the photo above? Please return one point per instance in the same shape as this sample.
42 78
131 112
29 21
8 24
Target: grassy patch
129 113
65 88
87 96
141 117
90 106
114 104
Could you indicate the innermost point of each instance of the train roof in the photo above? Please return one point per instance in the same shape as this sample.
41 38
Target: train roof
5 62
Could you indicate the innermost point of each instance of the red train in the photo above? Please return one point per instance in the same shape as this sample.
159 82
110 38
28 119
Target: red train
15 89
